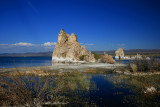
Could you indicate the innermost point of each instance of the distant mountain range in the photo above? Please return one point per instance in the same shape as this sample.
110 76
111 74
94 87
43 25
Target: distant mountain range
26 54
149 52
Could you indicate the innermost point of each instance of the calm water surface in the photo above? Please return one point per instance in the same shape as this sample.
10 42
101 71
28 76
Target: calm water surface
10 62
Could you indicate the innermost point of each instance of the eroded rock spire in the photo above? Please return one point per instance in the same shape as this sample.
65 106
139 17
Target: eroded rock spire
68 49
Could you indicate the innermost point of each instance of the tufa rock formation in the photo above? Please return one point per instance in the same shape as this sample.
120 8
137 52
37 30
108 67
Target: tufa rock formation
68 49
138 56
119 53
89 57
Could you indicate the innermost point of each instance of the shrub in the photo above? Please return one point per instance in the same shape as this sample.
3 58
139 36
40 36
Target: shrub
81 58
145 65
107 59
133 67
96 56
21 90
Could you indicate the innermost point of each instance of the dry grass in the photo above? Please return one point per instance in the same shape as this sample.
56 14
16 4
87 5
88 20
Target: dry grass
27 73
133 67
107 59
144 65
30 88
90 70
19 90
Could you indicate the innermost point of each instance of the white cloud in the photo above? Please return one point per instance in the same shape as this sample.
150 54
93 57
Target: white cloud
23 44
49 44
22 47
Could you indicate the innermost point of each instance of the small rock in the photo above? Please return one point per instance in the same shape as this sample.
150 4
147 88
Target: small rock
150 90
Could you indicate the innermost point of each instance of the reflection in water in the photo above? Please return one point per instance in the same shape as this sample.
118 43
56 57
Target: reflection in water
138 86
60 89
11 62
71 88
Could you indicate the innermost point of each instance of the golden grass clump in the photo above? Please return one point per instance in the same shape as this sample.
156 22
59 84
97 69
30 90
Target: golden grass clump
29 72
90 70
108 59
134 67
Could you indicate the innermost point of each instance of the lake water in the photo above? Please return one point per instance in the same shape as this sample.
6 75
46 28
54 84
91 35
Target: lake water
11 62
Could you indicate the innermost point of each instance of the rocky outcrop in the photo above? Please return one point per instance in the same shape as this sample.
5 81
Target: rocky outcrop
84 50
139 56
89 57
119 54
68 49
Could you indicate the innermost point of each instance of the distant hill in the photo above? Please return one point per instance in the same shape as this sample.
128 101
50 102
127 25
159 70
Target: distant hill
28 54
148 52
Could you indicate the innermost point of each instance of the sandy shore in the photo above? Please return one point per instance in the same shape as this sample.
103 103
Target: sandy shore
63 67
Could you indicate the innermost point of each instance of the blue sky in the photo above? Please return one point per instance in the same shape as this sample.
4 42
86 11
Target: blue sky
33 25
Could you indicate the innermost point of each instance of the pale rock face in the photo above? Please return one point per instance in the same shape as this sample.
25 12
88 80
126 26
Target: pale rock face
89 57
69 49
138 56
119 53
62 38
72 38
84 50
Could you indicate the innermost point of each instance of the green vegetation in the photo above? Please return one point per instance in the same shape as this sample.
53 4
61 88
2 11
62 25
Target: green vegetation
82 57
96 56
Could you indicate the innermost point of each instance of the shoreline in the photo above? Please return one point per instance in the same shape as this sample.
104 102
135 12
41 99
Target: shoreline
137 73
61 67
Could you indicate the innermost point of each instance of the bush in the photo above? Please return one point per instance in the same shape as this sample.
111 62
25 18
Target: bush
145 65
22 90
133 67
81 58
96 56
107 59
